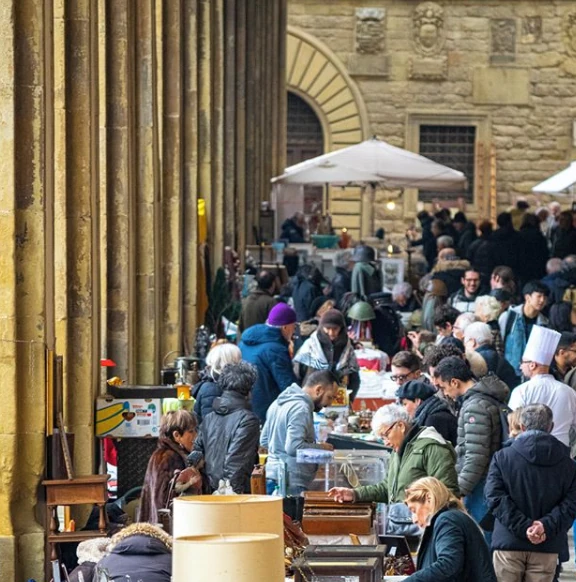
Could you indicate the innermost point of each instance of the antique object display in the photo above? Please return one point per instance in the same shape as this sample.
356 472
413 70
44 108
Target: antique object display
344 569
352 468
322 515
353 551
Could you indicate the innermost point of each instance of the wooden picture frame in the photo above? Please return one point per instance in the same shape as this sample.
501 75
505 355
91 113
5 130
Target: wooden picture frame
392 272
378 551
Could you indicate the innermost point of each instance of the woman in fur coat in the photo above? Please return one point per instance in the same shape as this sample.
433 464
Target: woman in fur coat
178 429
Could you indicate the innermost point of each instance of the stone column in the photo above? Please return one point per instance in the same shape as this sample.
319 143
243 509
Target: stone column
280 119
82 181
217 212
190 318
147 193
204 105
251 108
120 186
231 215
23 286
172 151
240 126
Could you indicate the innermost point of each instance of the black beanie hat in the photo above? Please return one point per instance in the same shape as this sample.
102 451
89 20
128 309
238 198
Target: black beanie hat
415 389
333 317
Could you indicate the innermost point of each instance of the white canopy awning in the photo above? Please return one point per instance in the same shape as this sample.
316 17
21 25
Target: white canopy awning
559 183
377 163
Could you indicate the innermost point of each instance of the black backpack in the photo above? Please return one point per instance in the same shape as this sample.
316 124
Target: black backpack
387 329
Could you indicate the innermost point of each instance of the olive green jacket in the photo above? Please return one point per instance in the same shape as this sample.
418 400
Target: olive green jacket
426 454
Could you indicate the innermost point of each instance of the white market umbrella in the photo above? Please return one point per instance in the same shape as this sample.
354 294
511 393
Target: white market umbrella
560 183
377 163
327 172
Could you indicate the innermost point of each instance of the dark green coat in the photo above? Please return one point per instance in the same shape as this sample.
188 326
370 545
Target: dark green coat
453 549
424 453
255 308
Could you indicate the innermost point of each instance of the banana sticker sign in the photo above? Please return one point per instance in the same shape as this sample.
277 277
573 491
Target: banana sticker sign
126 418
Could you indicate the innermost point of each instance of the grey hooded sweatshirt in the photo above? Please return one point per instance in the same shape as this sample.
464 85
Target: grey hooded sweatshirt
289 426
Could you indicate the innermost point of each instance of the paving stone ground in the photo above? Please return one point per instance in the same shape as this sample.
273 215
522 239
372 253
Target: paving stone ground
569 572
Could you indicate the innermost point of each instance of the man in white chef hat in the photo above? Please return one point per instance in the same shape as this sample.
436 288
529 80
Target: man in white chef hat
541 387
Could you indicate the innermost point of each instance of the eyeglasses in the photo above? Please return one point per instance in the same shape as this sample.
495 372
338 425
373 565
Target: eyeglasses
387 432
471 280
400 377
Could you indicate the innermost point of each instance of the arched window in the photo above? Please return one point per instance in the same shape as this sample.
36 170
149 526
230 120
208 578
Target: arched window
304 141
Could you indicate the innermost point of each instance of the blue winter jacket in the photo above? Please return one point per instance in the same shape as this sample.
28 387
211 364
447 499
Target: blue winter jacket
513 331
453 550
265 347
532 479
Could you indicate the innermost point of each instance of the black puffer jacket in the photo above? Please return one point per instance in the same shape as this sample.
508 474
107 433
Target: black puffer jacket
204 393
479 430
141 557
228 440
435 412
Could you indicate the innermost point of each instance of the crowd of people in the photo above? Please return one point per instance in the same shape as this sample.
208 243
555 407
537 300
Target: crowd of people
482 434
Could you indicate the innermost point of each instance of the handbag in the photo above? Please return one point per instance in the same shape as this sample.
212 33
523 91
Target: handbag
399 521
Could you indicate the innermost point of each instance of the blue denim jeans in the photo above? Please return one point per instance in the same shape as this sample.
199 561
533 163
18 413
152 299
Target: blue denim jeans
476 506
294 490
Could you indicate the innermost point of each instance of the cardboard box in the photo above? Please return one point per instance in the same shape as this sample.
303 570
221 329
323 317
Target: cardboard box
128 417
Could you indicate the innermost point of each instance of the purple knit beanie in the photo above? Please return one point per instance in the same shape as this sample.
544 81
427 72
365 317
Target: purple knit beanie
281 314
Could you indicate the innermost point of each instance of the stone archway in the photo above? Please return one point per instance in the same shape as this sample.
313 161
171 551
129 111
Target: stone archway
316 74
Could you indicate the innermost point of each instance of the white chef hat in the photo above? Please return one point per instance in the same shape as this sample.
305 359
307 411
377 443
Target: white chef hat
541 345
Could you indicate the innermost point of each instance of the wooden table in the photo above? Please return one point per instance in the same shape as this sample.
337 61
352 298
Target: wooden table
80 490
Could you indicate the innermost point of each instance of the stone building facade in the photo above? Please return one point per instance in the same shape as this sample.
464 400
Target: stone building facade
117 117
495 81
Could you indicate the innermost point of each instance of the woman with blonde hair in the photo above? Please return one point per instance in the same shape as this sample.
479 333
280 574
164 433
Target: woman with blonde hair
219 356
488 310
453 548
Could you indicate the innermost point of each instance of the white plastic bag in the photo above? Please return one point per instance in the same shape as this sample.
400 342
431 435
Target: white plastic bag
224 488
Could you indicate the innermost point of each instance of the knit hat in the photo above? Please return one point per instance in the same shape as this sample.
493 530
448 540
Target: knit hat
334 318
415 389
281 314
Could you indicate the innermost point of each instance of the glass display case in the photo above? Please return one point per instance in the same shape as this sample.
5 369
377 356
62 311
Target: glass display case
352 469
347 569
